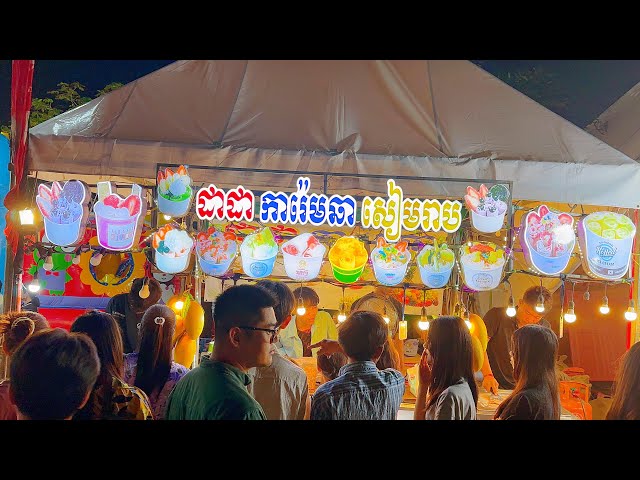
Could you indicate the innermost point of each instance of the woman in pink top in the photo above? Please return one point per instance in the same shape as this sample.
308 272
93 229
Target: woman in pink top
151 368
15 328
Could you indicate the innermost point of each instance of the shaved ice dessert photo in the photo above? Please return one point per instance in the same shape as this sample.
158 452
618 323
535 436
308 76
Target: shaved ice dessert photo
303 257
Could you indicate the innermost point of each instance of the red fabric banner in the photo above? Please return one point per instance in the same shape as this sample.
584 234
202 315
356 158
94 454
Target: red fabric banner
21 89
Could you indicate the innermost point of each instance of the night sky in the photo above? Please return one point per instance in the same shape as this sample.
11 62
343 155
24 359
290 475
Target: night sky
591 85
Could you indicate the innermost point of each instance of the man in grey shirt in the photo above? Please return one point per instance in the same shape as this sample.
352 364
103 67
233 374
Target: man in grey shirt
281 388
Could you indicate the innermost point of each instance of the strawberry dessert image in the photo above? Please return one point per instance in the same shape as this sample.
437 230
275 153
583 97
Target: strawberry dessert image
173 247
174 191
303 257
487 207
118 220
216 251
65 211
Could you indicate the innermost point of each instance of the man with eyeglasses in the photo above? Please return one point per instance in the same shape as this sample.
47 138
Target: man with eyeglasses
245 326
497 369
281 388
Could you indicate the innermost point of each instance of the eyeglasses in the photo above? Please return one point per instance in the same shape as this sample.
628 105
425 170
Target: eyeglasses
272 331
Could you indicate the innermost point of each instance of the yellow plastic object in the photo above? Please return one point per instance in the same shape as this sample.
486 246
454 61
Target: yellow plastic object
189 325
479 330
478 353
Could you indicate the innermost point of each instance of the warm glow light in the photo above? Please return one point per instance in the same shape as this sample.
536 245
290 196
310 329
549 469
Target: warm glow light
26 217
402 330
469 324
301 310
167 217
386 319
569 315
423 325
540 307
34 286
342 317
604 308
179 304
630 315
511 309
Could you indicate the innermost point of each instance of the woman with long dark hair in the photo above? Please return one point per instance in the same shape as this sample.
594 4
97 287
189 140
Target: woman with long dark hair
625 404
535 397
152 368
112 398
447 390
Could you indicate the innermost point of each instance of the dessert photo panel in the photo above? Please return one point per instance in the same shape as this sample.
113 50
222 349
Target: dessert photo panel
487 207
436 263
547 239
172 249
390 261
303 257
606 243
65 211
119 220
258 253
216 251
482 265
174 191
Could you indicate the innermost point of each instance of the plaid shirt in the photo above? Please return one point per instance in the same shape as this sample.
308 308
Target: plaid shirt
360 392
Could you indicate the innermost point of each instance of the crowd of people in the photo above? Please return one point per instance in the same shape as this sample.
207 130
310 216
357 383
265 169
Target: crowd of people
118 365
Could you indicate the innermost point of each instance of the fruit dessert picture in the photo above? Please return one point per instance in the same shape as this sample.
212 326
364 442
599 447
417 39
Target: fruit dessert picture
606 242
216 251
65 211
258 252
173 247
482 265
119 220
435 263
390 261
174 191
487 207
303 257
348 257
547 239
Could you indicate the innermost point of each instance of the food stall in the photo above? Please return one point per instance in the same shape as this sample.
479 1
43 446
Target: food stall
431 181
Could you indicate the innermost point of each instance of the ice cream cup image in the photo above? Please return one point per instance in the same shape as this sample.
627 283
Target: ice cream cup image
303 257
216 251
348 258
547 240
482 265
174 191
258 253
488 207
118 220
606 242
435 263
390 261
65 211
173 248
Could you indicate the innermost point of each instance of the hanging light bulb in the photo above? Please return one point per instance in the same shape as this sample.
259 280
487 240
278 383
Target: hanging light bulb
301 310
166 217
34 285
26 216
48 263
630 315
570 315
179 305
423 323
511 309
144 291
540 305
604 308
342 316
96 259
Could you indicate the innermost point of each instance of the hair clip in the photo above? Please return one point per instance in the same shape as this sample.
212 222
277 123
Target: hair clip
159 320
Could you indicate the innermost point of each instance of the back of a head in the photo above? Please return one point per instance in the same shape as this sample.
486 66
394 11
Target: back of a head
16 327
532 295
52 374
283 296
330 365
625 404
240 305
154 355
155 293
535 349
104 331
362 334
309 296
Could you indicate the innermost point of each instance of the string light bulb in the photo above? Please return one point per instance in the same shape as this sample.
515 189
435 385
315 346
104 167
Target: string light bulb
423 323
26 217
342 316
604 308
511 308
34 285
301 310
540 305
144 291
630 315
95 259
179 305
167 217
570 315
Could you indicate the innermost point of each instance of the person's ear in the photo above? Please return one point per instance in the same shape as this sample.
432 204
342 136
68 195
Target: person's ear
285 322
378 353
234 336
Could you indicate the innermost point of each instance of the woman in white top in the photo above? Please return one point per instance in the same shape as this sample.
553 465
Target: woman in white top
447 390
